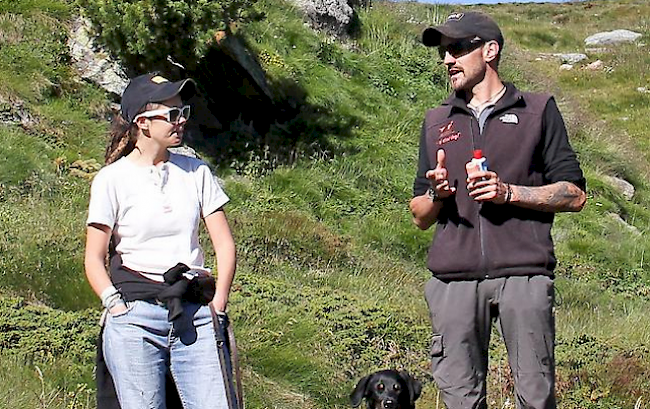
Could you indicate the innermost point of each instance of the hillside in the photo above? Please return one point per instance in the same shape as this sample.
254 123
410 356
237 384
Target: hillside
331 269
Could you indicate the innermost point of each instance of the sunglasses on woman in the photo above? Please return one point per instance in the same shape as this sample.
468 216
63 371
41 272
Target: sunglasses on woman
171 115
460 48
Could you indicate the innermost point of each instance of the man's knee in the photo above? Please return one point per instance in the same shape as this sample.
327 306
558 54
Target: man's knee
535 390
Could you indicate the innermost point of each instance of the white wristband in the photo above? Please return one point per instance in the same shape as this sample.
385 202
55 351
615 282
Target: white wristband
113 301
108 293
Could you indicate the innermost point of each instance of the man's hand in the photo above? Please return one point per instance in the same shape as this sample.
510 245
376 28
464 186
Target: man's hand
438 177
485 186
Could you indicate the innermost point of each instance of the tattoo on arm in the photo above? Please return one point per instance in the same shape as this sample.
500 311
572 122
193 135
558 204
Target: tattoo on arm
556 197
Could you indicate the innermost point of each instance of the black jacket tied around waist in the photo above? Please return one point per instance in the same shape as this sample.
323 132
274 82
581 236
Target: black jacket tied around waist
180 285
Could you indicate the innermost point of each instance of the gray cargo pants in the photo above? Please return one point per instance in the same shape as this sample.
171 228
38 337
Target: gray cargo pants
461 316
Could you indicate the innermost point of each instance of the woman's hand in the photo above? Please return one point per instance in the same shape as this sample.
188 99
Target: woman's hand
118 308
219 306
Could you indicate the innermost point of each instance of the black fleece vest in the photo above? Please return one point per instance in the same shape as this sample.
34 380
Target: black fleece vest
473 240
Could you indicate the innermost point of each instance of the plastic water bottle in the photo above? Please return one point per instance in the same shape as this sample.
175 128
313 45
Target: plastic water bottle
477 164
480 160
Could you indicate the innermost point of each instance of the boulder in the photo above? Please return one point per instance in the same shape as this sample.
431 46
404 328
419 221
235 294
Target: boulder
93 63
566 67
622 186
14 112
571 58
189 151
597 50
332 16
612 38
595 66
184 150
625 225
236 49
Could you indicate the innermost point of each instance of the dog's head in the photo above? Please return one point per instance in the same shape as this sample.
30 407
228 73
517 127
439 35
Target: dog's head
388 389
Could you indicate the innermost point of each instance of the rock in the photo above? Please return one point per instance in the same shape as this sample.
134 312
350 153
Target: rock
235 48
619 220
188 151
184 150
596 50
360 4
566 67
622 186
333 16
571 58
94 64
594 66
13 112
612 38
544 56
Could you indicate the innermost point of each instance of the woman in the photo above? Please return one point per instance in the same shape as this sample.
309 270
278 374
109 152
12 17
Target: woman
146 205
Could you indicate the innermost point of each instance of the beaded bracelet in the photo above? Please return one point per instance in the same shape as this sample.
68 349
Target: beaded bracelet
508 193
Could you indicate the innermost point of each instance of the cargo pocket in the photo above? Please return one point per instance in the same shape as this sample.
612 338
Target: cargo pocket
439 368
437 348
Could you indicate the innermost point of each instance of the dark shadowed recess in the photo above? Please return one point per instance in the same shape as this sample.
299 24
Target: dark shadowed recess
236 120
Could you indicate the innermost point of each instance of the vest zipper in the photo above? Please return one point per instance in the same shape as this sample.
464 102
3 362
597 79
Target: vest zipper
481 235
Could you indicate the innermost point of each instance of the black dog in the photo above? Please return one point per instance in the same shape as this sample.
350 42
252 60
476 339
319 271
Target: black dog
387 389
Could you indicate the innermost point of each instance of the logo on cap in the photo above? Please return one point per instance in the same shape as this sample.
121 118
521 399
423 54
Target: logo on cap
455 16
159 80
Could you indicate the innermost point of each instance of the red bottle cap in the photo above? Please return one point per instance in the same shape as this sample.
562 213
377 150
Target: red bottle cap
478 154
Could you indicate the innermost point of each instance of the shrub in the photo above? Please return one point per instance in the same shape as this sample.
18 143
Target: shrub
42 334
143 33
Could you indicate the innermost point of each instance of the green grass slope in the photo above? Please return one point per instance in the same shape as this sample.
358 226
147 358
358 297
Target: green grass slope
331 269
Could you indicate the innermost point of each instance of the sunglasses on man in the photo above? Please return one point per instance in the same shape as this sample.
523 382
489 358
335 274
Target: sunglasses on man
171 115
460 48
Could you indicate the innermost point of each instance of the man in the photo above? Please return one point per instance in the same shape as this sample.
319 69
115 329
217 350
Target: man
492 255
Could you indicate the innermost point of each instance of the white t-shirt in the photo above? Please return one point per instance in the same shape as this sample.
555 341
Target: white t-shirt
154 211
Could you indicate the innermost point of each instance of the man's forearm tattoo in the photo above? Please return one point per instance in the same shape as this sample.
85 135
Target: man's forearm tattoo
557 197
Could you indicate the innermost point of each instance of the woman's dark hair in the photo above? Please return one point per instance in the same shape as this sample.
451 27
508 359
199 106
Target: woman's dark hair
123 137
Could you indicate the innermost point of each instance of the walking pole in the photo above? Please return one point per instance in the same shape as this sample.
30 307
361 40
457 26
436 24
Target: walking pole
225 339
232 347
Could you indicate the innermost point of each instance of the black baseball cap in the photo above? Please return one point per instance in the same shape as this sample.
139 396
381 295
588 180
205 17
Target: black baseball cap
152 87
464 25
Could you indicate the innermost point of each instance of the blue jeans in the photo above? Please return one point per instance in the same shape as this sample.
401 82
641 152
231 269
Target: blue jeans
140 345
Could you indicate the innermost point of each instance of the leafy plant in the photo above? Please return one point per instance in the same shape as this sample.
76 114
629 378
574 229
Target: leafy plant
144 33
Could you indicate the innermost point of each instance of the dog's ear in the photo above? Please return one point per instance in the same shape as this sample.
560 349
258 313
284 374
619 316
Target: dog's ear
414 386
359 391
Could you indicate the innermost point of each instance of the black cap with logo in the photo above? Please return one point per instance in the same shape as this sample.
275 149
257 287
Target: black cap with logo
464 25
149 88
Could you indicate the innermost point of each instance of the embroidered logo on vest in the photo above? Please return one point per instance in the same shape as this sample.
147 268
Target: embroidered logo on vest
509 119
447 134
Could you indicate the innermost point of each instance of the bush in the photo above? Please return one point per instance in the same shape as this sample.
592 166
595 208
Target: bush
143 33
42 334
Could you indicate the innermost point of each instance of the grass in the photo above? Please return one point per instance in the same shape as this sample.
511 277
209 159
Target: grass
37 388
331 269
